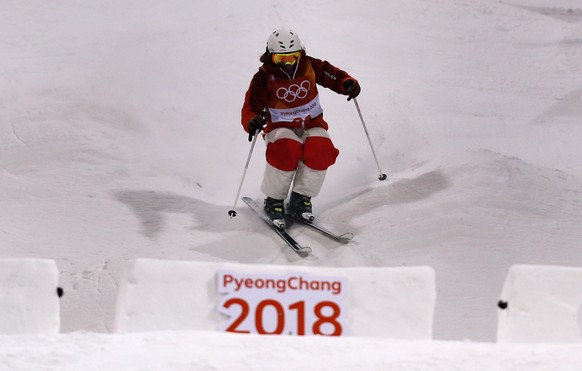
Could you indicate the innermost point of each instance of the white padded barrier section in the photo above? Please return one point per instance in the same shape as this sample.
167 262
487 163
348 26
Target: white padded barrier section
29 303
541 304
161 295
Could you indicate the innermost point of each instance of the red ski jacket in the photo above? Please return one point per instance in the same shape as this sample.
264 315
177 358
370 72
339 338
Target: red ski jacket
291 99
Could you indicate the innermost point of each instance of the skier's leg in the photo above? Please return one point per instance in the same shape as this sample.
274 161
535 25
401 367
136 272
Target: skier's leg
308 182
319 153
284 152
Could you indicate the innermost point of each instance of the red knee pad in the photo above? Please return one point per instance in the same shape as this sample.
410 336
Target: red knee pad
284 154
319 153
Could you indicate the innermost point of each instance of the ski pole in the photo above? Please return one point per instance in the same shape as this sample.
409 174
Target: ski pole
382 175
232 212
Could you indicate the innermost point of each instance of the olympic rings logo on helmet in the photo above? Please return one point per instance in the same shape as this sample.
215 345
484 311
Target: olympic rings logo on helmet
294 91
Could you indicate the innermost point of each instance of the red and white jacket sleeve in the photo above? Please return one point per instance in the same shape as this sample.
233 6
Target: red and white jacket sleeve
255 98
329 76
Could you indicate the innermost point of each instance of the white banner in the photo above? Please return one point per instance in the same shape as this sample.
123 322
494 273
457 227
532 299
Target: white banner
164 295
290 303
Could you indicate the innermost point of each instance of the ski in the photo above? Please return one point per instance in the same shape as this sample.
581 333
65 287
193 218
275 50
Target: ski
344 237
300 250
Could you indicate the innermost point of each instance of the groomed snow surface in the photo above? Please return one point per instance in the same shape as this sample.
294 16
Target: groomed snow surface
217 351
120 139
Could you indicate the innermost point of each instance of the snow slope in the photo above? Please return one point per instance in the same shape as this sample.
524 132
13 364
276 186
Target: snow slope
120 138
206 351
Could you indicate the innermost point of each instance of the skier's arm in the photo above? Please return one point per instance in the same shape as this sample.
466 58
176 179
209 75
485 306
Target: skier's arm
255 99
331 77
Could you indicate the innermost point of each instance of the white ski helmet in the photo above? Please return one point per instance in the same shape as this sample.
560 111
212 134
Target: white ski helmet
283 41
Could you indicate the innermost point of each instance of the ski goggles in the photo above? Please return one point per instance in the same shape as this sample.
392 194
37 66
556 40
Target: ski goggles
287 59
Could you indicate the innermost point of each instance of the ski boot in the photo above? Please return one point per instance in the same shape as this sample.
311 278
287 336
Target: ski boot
300 207
275 211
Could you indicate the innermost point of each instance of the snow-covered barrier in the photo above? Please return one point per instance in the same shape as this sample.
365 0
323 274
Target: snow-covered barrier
541 304
29 303
161 295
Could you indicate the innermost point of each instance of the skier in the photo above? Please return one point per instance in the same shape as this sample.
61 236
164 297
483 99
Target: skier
282 100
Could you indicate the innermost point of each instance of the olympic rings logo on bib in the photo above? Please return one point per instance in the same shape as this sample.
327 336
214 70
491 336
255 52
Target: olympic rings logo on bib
294 92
